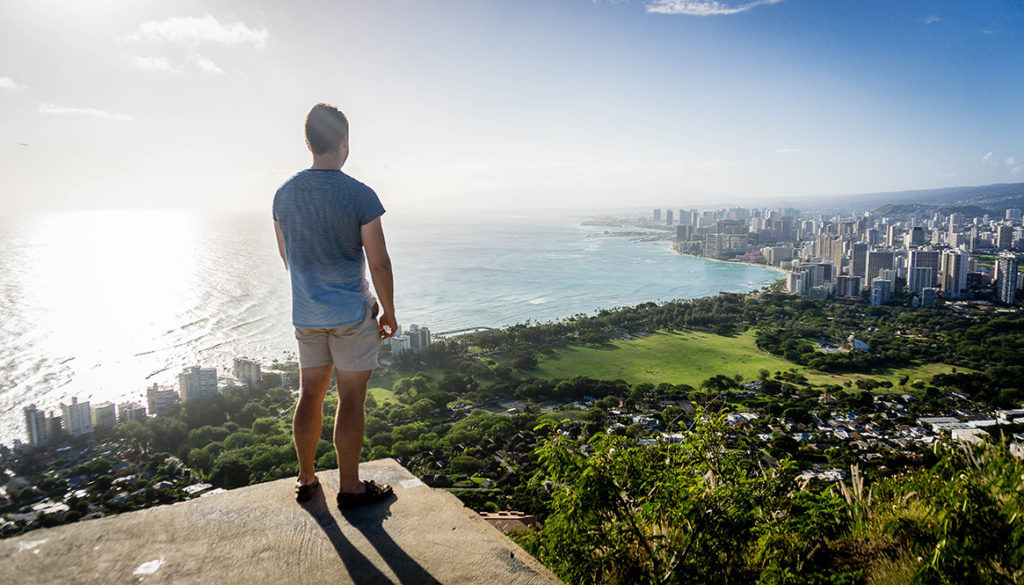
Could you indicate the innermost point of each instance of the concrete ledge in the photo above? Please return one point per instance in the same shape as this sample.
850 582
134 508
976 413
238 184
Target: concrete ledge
258 534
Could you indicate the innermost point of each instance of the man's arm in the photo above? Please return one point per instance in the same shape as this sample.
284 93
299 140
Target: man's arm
380 272
280 243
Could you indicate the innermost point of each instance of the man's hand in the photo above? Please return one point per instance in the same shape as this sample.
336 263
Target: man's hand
386 325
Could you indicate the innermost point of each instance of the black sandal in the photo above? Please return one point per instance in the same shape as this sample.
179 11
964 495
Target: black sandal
304 493
374 493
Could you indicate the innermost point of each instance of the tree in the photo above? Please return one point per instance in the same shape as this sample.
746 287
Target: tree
423 408
694 512
264 426
201 460
230 471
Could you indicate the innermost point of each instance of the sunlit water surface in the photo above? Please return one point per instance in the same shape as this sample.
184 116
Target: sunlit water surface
100 305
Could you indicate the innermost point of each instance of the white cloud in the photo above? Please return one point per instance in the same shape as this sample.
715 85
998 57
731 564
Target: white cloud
205 64
703 7
8 83
788 150
988 32
153 64
931 19
191 31
48 108
1010 161
1017 170
988 159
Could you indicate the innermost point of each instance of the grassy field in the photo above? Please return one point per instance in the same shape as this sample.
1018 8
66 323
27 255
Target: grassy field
690 357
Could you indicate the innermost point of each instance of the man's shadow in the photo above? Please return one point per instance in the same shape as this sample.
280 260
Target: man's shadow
368 520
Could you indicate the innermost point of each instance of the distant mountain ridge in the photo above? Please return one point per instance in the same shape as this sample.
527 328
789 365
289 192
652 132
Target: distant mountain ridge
977 200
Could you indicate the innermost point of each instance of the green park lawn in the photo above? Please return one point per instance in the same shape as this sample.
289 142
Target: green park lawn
690 357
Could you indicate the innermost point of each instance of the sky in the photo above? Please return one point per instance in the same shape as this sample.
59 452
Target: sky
501 104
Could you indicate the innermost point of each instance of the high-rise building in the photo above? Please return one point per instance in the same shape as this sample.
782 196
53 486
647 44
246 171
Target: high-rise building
35 426
928 295
419 338
859 259
954 272
881 291
131 411
889 274
1004 237
836 254
872 237
848 287
914 238
775 255
919 277
668 217
878 260
1013 214
927 258
77 417
892 234
160 399
248 371
795 283
54 427
688 217
1007 283
103 415
657 216
400 344
197 382
724 245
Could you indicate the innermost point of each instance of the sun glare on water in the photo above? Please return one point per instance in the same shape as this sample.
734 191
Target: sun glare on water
101 281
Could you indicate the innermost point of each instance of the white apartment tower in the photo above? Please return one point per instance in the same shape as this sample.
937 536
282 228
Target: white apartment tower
197 382
77 417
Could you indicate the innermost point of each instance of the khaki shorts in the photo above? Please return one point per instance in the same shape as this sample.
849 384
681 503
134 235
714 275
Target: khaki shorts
352 348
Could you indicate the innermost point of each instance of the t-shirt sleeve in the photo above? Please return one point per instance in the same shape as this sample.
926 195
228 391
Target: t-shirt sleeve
368 205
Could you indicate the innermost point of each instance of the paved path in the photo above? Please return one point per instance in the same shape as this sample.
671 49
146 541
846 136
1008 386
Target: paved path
258 535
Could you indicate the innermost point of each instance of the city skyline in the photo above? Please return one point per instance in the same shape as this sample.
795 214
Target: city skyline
563 104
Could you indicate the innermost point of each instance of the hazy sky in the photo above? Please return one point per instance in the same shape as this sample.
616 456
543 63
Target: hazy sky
145 103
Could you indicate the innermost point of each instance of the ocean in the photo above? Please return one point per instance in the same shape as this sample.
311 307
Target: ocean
101 304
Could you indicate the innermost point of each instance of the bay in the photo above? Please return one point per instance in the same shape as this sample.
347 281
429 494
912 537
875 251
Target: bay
101 304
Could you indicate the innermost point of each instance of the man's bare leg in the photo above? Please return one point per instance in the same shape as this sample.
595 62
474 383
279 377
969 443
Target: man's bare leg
308 420
349 424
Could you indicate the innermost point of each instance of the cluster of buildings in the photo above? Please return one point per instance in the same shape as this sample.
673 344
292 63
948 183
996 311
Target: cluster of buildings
410 341
82 418
925 255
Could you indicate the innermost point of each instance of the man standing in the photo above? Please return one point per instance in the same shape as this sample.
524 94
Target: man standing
325 220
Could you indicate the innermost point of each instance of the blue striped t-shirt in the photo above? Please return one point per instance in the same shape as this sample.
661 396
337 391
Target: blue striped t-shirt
320 213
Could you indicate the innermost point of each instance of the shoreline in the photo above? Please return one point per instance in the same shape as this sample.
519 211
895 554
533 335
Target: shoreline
766 266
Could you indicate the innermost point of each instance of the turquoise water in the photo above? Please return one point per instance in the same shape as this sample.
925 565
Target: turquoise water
100 305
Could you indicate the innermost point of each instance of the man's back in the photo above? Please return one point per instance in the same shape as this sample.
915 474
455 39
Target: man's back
320 213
